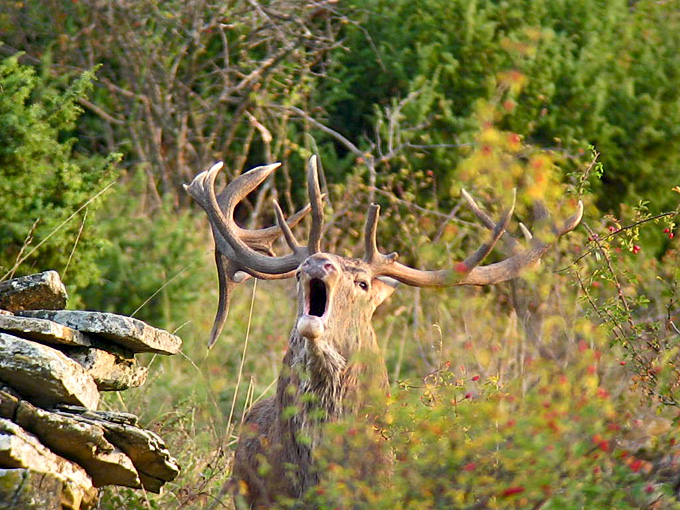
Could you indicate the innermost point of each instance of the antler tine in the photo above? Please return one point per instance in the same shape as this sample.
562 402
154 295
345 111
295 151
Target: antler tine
315 199
467 273
572 222
287 232
487 221
229 275
372 255
481 215
225 287
476 258
525 232
370 234
265 237
203 189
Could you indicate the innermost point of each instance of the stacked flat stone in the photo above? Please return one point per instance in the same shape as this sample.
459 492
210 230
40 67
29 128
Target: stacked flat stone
56 448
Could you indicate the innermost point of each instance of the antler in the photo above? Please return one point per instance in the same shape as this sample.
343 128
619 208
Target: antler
242 253
467 272
316 204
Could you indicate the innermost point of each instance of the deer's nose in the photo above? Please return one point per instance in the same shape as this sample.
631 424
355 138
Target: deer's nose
318 267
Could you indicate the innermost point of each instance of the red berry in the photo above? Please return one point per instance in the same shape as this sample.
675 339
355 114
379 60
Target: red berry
666 230
635 465
512 490
604 446
475 378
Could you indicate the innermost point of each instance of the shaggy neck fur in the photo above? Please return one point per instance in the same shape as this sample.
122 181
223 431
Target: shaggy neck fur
318 386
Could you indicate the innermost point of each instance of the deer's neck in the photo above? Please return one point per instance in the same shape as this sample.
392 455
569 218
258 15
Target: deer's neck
321 384
317 385
316 382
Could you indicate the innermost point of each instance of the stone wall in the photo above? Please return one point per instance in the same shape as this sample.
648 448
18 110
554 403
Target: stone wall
56 448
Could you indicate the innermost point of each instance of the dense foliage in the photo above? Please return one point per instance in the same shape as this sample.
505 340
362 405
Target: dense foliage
47 187
601 73
182 84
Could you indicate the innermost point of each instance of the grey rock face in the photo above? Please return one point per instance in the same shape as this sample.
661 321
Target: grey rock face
36 291
44 375
112 371
42 330
130 333
55 448
25 489
19 449
147 450
81 442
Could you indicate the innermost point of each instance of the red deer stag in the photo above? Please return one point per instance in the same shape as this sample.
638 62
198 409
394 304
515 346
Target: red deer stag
333 357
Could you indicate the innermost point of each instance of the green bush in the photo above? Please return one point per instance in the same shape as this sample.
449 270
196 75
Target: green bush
572 74
45 219
552 439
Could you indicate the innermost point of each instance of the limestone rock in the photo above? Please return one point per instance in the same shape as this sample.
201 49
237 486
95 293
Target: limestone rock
44 375
78 441
130 333
106 416
22 488
42 330
18 449
147 450
36 291
30 490
9 402
112 371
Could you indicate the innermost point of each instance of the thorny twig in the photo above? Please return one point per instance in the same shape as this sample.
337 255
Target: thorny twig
604 238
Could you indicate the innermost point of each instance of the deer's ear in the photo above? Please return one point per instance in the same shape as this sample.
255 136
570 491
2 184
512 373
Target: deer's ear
383 287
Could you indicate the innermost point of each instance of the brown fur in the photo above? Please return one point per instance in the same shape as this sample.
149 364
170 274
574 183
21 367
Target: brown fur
321 380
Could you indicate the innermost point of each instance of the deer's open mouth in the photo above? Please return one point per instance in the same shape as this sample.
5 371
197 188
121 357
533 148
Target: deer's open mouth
318 297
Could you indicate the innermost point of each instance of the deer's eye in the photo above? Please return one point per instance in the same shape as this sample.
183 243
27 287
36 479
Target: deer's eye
362 284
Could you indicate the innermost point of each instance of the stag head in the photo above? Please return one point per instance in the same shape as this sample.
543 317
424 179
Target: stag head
328 286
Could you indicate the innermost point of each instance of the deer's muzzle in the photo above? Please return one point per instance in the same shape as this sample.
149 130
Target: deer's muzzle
317 275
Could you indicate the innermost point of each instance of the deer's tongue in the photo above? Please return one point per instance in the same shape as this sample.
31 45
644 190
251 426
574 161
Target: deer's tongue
310 326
